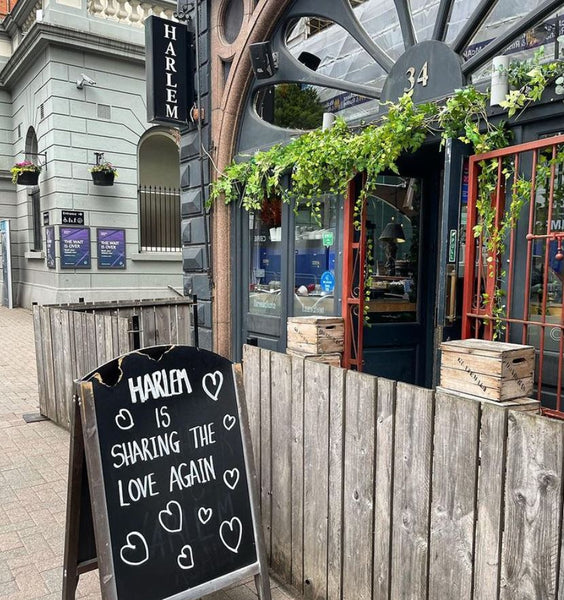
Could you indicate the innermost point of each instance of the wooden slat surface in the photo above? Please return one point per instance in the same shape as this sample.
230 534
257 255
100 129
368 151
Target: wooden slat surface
412 490
298 388
489 518
455 466
316 480
281 506
266 449
383 483
40 360
533 507
336 467
358 488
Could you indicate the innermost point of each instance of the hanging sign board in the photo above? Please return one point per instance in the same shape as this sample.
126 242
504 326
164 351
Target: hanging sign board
167 456
170 82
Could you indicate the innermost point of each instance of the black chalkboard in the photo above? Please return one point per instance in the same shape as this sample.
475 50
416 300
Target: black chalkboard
167 474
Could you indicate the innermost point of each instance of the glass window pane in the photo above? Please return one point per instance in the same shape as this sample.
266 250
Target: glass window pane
315 248
392 236
265 259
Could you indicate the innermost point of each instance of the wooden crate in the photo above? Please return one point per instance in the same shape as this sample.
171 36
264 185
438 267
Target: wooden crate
489 370
333 358
316 335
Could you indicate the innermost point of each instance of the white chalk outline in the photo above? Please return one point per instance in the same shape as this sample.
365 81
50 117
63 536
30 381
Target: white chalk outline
232 473
184 555
205 511
229 524
213 376
230 419
120 416
128 544
169 512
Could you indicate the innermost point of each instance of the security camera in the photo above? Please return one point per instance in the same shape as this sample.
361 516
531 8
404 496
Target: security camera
84 80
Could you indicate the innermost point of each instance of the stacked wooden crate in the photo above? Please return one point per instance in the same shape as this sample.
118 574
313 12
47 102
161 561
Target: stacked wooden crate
490 371
317 338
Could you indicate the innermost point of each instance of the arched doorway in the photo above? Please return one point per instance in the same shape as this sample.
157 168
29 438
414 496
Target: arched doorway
159 193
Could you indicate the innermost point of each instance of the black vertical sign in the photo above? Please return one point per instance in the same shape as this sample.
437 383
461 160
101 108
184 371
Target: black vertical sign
170 84
167 474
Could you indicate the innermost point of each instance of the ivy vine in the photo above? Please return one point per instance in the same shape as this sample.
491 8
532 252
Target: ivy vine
324 161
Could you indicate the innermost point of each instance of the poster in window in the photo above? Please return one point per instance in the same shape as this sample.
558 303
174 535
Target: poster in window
50 247
111 248
75 247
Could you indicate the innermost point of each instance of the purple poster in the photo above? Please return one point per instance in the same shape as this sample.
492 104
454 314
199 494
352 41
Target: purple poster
111 248
75 247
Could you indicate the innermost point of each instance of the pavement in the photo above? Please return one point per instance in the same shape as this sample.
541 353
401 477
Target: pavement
33 483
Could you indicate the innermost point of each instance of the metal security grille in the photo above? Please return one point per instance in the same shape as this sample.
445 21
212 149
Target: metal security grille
159 216
513 282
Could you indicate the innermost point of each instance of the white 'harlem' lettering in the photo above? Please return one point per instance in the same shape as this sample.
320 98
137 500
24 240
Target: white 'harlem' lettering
171 105
159 384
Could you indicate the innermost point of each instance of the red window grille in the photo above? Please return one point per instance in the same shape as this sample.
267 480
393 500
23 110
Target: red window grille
513 282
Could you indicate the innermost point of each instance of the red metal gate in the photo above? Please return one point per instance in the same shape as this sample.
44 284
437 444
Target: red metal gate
514 270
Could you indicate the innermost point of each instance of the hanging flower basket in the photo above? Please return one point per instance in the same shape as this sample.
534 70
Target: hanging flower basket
103 174
25 173
103 178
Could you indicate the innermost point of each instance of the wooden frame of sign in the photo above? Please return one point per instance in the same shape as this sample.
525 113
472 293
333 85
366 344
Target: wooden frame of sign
161 454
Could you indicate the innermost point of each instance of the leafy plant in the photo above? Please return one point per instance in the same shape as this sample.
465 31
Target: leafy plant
22 167
104 167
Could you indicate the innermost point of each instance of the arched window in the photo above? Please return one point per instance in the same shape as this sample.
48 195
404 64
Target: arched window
159 193
33 193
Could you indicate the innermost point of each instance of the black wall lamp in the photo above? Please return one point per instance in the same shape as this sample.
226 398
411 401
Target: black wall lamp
392 235
263 60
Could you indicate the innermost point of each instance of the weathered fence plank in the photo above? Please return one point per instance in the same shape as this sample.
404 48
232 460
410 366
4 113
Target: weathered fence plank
358 489
383 482
40 361
412 489
68 366
148 326
251 379
266 448
316 478
455 466
533 507
58 368
281 404
489 518
336 466
298 386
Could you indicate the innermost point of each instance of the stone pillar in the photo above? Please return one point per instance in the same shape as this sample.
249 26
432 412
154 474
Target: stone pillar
194 183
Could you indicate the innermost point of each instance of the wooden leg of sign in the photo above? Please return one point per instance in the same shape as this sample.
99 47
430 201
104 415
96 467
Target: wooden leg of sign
76 459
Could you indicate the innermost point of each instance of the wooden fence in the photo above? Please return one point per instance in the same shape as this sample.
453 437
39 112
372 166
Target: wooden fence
72 340
376 490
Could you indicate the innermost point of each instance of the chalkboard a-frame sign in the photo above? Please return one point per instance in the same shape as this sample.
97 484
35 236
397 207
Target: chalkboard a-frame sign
168 509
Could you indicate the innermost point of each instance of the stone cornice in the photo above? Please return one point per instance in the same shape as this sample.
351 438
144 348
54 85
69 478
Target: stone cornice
42 35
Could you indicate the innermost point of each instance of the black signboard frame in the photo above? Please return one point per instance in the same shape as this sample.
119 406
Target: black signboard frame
88 518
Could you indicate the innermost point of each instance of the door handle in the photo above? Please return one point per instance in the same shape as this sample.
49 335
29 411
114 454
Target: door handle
451 312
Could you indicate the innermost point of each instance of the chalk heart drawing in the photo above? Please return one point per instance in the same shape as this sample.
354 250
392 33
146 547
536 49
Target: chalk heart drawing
229 421
124 420
171 517
230 533
185 559
231 478
135 552
212 382
204 514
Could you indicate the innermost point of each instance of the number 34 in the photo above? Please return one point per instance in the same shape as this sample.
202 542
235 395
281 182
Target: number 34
422 78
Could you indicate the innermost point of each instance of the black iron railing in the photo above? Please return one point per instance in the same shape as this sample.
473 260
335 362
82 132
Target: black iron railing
159 218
